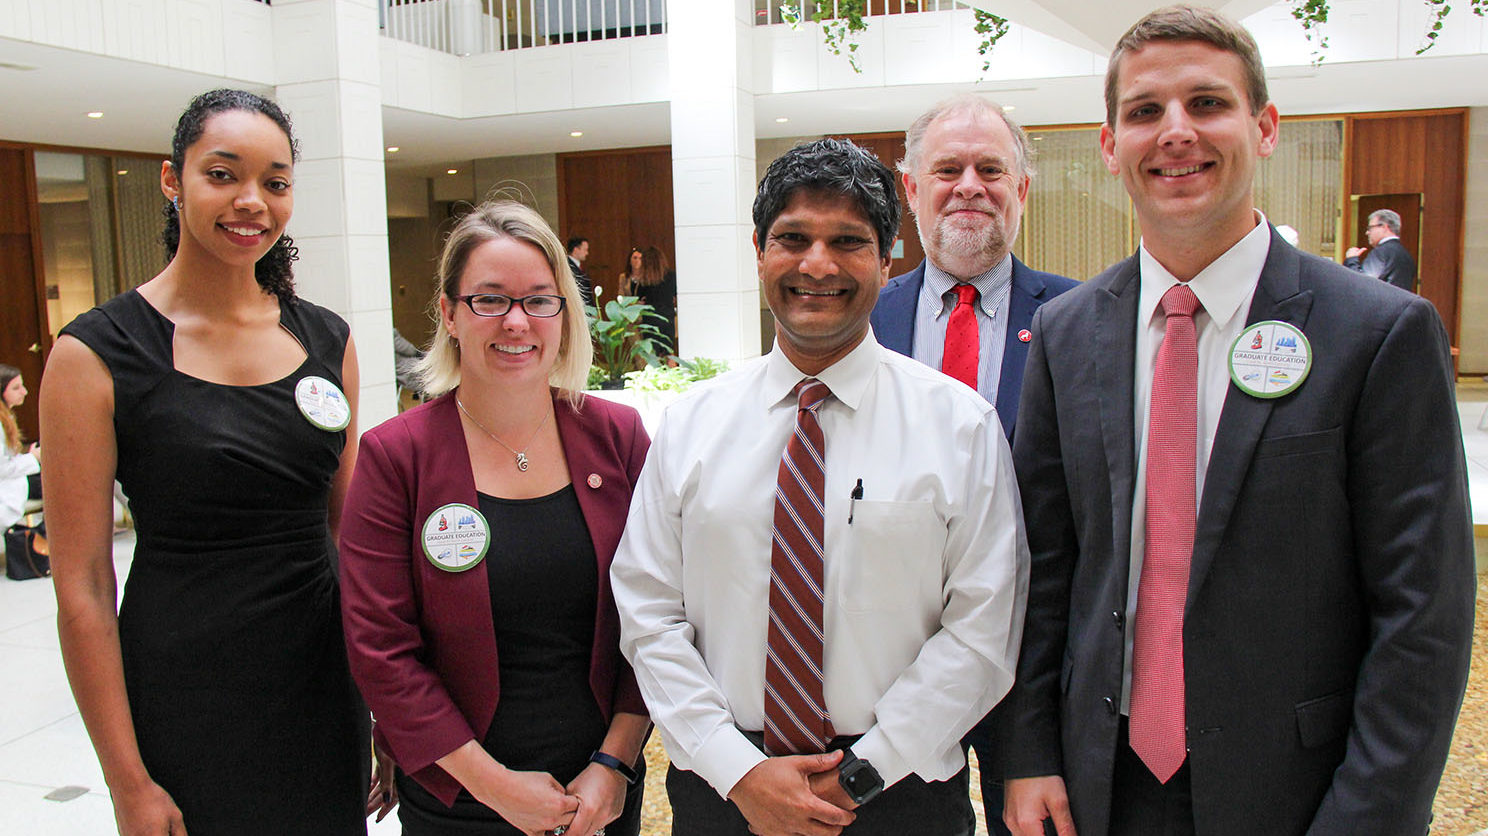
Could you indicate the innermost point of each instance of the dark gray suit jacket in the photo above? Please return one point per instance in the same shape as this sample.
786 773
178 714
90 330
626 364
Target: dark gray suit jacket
1389 262
1330 605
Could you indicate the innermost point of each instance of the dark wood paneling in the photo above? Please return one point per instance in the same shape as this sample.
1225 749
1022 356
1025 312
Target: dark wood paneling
22 317
1425 154
618 200
889 148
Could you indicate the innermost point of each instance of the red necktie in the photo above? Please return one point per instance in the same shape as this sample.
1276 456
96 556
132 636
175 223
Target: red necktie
962 345
796 719
1157 697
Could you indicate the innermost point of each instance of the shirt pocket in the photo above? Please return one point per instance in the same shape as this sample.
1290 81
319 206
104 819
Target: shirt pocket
893 557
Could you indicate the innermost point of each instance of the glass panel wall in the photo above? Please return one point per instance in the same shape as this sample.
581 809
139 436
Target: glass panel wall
100 228
1078 219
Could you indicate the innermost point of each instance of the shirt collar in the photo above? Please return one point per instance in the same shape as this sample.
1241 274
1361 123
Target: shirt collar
991 284
847 378
1221 287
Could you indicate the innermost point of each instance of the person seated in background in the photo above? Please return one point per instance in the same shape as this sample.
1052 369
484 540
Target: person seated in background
475 555
20 464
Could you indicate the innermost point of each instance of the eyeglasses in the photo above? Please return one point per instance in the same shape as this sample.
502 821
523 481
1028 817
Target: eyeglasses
1374 226
541 305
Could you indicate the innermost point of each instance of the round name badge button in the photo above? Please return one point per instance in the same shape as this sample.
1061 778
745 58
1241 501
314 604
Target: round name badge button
322 403
456 537
1270 359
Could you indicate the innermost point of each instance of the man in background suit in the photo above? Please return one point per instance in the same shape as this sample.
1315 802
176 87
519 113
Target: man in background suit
966 171
1251 597
578 250
1388 259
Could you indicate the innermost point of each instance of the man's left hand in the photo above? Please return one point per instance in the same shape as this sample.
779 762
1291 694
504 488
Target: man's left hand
1355 252
827 786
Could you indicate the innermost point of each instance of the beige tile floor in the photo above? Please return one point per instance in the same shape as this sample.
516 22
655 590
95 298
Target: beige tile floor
43 745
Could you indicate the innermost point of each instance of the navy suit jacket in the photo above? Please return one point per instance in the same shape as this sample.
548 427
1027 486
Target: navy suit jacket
894 321
1390 262
1329 618
421 640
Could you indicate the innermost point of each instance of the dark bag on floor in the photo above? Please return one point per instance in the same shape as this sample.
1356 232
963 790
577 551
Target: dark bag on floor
26 554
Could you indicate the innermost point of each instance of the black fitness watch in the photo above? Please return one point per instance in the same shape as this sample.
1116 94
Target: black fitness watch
858 778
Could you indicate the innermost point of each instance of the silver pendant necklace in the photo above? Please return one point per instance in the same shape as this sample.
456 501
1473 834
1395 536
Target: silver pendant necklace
521 455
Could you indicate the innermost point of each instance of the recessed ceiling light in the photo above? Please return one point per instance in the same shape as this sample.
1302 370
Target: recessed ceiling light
1009 108
575 134
121 172
782 118
95 114
392 149
1038 139
452 171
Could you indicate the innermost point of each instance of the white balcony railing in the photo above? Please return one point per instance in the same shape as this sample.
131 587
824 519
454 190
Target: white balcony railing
470 27
767 12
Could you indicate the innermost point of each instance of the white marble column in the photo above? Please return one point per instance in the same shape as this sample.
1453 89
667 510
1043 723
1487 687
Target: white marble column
326 62
711 56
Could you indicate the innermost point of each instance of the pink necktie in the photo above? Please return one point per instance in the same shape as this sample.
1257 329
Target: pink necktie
961 344
1157 708
796 720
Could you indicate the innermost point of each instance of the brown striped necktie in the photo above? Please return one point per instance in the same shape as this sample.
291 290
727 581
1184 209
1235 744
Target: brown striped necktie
796 720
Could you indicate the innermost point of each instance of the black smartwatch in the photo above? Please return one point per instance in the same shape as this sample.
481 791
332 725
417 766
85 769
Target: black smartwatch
858 778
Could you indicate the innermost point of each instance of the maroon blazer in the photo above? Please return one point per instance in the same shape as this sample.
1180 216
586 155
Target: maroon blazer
421 640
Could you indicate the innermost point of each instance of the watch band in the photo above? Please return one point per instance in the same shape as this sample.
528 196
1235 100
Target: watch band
606 759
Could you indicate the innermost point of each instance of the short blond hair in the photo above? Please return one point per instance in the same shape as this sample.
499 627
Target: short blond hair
439 370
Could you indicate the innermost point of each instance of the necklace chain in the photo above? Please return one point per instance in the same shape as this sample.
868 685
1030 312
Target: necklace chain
521 455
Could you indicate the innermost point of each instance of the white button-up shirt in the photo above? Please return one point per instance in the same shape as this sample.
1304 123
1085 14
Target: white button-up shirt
924 590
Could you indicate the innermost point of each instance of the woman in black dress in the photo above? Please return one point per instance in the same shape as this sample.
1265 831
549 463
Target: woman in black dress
656 285
218 698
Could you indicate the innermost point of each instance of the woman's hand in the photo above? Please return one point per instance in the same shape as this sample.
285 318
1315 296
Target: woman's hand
533 802
147 811
382 797
601 794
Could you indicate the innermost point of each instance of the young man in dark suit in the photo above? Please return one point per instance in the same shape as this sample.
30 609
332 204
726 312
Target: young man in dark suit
1251 597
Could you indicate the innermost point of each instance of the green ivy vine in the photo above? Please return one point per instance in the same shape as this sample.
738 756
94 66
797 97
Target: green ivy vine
840 30
991 28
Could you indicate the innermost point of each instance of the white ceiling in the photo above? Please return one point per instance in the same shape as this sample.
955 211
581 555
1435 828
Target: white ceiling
47 104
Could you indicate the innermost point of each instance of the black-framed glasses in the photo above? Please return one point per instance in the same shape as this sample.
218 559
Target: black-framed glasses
541 305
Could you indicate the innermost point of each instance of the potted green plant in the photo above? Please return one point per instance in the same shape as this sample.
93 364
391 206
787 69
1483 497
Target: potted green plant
624 338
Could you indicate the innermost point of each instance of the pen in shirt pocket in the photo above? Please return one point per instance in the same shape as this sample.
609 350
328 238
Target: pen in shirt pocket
852 502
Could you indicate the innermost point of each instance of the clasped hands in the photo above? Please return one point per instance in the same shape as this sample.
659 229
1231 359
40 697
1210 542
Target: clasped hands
794 795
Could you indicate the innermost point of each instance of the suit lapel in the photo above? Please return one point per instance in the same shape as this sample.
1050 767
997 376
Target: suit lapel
894 315
1278 296
1023 300
1115 335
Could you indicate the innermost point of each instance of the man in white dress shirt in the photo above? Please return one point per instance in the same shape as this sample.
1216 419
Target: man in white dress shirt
920 553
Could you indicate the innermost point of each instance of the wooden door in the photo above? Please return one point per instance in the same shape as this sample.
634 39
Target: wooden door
618 200
889 148
24 338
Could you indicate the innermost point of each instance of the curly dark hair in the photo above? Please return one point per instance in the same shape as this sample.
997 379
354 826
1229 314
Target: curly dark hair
835 166
274 271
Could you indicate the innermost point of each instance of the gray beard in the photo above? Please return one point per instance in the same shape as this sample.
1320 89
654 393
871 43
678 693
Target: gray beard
962 252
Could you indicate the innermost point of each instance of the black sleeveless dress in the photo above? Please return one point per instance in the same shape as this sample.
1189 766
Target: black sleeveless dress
230 623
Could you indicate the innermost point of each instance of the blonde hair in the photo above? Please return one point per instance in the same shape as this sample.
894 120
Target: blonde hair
439 370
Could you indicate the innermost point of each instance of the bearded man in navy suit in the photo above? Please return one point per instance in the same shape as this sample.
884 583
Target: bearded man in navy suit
966 173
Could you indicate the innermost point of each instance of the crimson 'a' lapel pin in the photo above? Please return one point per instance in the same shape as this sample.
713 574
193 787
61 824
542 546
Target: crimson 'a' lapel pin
1025 335
595 481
